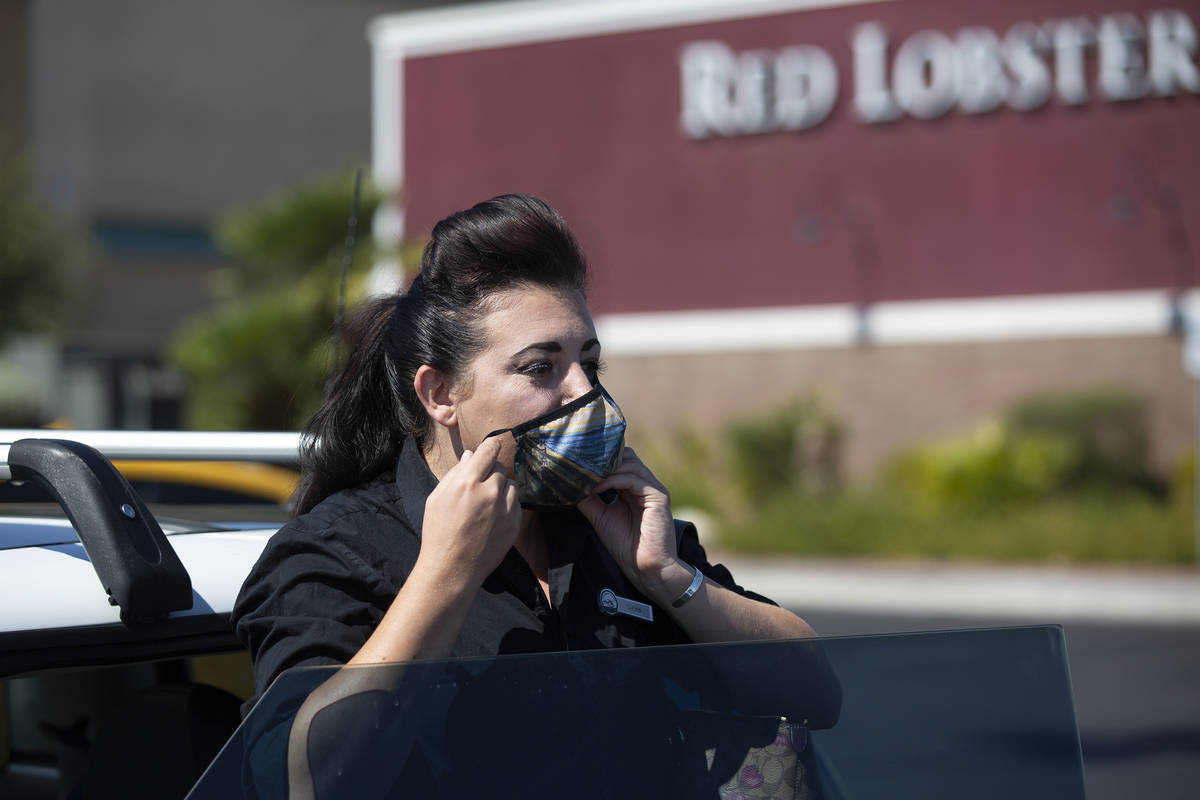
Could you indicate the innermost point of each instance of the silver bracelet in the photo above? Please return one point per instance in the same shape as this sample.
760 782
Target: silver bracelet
693 587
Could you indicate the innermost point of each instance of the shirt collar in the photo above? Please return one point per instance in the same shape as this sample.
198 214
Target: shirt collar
566 546
415 480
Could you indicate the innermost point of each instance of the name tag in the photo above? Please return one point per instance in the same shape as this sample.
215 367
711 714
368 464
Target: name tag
613 603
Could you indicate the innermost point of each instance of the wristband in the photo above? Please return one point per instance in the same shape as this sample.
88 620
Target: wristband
697 581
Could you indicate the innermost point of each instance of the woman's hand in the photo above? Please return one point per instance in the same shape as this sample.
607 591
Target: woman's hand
471 519
637 528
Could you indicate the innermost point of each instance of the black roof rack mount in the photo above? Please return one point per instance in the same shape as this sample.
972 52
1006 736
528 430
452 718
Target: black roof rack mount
131 556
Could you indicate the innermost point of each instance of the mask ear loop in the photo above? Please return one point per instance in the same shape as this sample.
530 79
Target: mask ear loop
561 411
574 405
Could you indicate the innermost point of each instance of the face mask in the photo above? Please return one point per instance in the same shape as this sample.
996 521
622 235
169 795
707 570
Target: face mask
562 455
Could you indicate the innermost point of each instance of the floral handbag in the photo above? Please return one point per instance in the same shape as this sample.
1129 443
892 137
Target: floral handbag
749 757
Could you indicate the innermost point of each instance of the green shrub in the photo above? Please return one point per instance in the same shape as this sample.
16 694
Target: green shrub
1183 476
990 466
1108 428
260 359
1046 446
688 465
1010 490
964 470
1039 463
40 258
793 449
1087 527
258 363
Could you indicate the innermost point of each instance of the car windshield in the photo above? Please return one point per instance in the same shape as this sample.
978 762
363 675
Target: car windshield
976 713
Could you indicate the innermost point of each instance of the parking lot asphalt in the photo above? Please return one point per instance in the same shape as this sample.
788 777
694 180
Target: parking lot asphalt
1158 595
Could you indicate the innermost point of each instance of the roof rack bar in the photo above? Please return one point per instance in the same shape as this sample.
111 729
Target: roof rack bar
275 446
135 563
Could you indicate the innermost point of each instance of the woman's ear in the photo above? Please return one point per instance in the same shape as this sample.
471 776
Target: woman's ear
433 390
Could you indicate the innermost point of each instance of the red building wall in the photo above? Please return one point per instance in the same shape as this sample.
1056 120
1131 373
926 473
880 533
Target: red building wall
1104 195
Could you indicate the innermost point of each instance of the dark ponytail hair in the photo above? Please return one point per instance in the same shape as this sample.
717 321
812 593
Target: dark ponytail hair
371 406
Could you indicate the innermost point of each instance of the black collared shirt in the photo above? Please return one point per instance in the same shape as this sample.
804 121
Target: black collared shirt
325 580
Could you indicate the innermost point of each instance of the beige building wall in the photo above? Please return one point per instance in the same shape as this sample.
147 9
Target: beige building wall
14 74
179 111
890 397
147 120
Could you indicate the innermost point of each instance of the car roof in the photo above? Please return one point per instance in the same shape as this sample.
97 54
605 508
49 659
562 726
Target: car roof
75 590
55 612
36 530
54 586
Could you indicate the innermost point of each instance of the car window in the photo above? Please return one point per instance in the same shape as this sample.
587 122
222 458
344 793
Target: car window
980 714
58 728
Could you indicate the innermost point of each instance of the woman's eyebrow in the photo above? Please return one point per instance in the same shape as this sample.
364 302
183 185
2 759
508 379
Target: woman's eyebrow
552 347
539 347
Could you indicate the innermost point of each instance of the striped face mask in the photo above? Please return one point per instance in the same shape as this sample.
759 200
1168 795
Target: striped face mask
562 455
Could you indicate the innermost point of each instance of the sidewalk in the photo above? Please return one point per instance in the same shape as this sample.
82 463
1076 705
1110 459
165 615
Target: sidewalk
1157 595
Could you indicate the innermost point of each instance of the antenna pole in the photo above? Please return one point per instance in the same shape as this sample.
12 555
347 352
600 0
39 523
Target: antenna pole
347 258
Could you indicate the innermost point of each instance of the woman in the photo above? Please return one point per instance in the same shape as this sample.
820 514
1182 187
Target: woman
408 507
466 491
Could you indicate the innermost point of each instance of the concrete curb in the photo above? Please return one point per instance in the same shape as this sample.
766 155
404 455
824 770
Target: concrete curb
1154 595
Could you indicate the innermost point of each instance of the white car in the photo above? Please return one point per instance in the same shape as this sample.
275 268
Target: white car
119 670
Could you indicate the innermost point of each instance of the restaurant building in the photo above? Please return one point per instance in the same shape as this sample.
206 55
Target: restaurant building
916 211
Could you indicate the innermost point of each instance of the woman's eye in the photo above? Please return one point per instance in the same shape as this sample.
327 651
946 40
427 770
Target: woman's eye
594 369
537 368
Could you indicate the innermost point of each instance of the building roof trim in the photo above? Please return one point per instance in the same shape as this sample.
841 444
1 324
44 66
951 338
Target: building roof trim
991 319
481 26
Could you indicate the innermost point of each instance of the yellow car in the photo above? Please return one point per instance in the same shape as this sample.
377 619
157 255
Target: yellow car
210 482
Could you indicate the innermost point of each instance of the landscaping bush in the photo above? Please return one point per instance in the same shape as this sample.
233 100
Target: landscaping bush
793 449
1087 527
687 464
260 359
1108 430
990 466
1059 479
1047 446
1183 476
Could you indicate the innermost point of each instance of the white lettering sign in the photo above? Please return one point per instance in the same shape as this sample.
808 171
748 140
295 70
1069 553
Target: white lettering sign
974 71
1029 83
729 93
1172 53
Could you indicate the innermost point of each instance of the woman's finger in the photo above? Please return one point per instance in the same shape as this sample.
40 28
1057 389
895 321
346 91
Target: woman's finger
497 482
512 500
481 463
632 465
593 509
631 481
